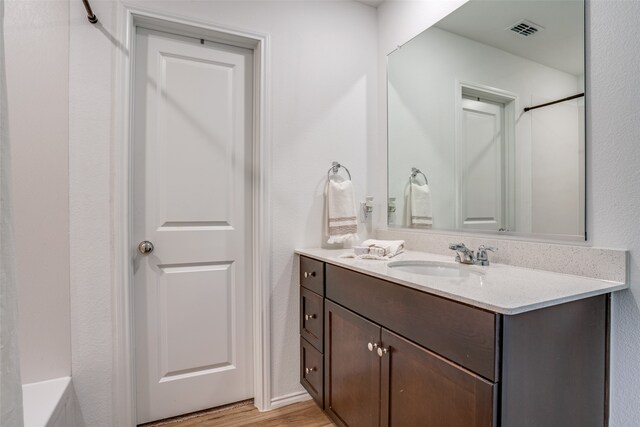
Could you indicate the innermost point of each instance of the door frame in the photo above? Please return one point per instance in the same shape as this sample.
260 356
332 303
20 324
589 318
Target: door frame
128 19
511 115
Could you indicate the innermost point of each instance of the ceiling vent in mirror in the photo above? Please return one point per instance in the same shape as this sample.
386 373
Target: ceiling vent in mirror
525 28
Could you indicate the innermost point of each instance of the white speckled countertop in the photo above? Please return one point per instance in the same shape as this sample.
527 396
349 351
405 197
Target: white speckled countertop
499 288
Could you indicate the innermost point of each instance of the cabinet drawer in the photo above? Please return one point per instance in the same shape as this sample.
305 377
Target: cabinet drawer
463 334
311 317
311 371
312 275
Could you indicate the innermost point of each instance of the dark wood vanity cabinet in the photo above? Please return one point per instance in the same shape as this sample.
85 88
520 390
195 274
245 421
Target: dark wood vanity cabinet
396 356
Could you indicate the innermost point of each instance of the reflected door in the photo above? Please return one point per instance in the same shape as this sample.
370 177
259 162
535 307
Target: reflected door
192 200
481 165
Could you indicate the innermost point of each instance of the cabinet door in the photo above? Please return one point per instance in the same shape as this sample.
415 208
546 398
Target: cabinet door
420 388
352 371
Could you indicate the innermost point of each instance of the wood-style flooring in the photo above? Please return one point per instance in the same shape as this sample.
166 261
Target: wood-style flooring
303 414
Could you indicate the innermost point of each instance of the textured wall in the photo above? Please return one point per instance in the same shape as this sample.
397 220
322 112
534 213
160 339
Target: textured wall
37 57
323 106
613 181
90 136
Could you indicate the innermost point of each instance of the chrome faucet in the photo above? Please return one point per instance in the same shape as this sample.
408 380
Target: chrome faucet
465 255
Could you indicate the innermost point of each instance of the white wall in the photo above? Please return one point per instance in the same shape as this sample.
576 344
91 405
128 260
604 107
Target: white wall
323 108
37 53
422 105
555 163
613 156
613 181
90 139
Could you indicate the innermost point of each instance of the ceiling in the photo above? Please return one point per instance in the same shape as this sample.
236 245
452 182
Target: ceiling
559 45
373 3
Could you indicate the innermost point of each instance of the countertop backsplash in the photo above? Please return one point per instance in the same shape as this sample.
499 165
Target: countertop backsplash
586 261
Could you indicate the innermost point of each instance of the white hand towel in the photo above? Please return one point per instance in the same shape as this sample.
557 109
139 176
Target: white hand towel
341 211
391 247
420 201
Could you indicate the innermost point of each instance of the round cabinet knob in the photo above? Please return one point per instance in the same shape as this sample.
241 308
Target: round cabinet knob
309 316
145 247
371 346
382 351
307 275
309 370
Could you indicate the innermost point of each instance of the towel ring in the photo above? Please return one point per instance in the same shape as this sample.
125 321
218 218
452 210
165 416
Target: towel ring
415 172
335 168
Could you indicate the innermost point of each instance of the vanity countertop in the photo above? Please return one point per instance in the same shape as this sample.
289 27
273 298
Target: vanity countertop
501 288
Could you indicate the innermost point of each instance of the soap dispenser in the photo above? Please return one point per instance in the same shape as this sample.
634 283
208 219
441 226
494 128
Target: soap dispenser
367 208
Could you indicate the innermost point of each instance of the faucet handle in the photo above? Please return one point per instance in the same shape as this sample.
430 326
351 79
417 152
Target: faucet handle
482 257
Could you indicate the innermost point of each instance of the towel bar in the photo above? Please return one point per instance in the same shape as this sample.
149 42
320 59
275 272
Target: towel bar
335 168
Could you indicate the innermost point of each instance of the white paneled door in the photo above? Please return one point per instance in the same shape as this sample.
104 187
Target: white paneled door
191 202
481 164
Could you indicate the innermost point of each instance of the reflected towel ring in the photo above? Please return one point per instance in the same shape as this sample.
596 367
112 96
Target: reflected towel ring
335 168
415 172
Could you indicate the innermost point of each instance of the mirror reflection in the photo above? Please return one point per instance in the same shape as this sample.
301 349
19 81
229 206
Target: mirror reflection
486 128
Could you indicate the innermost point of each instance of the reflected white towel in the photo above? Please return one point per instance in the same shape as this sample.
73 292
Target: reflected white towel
341 211
420 201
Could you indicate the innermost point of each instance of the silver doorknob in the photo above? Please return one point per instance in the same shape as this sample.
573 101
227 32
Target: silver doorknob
372 345
309 370
382 351
145 247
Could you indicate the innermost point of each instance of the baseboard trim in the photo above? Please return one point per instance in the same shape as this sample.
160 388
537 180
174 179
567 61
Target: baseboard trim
288 399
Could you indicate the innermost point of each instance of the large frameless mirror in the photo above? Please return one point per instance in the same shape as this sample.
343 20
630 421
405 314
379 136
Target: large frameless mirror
486 122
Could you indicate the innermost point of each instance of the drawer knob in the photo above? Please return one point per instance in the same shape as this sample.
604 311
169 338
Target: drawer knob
309 316
307 275
309 370
382 351
372 345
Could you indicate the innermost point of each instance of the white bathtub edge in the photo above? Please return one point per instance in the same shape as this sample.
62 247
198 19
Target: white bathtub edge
45 401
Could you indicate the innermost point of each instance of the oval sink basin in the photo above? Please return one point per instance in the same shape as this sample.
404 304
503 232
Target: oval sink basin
433 268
